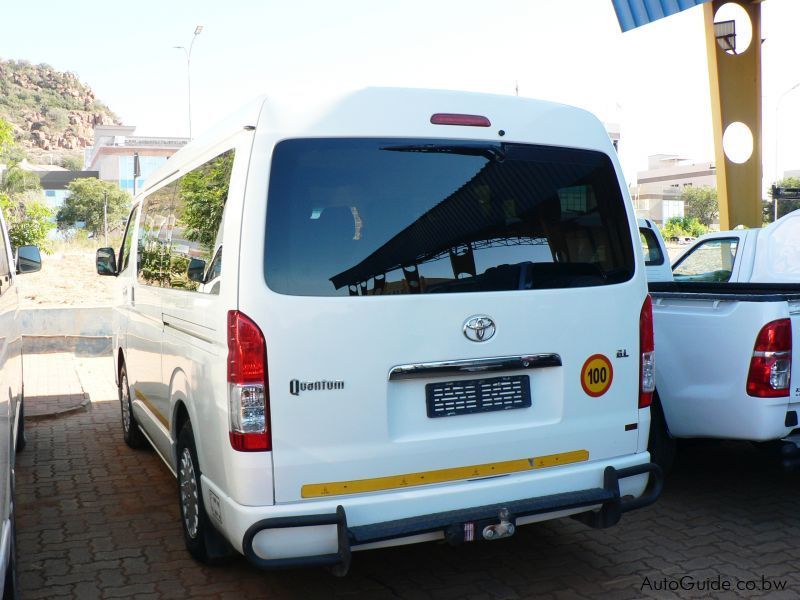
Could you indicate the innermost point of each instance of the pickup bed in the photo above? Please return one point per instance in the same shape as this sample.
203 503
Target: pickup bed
724 330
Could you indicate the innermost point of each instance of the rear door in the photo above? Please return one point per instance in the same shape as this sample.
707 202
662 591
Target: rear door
431 306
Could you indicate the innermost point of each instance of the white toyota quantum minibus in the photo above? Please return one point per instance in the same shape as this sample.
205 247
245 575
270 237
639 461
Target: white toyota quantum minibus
387 317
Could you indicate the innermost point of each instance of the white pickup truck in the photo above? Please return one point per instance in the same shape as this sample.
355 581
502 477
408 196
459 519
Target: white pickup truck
724 327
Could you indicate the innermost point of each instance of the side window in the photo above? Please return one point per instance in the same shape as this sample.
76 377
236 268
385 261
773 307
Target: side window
127 240
197 219
653 256
711 261
152 266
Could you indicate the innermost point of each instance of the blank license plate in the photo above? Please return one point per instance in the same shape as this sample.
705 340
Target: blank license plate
477 395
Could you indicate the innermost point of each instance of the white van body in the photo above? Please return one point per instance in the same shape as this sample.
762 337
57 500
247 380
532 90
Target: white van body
355 458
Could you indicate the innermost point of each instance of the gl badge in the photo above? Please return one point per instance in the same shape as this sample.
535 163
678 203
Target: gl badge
479 328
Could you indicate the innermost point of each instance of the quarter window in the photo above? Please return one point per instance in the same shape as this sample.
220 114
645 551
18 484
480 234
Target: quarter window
127 240
653 256
181 231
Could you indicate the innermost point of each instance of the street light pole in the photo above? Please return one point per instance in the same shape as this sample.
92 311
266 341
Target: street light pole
197 31
777 108
105 215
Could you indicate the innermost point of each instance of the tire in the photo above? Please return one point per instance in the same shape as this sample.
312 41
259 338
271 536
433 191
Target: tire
203 541
130 428
11 584
21 439
662 445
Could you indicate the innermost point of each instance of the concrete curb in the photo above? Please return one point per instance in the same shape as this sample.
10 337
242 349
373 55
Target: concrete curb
60 413
79 345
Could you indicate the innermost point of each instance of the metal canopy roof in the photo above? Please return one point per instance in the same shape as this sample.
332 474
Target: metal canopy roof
635 13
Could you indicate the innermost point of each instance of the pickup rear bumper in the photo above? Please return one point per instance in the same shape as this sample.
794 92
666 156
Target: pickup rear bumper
455 523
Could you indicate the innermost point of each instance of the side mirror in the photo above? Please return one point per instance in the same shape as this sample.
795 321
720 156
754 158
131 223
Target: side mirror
106 261
197 270
29 260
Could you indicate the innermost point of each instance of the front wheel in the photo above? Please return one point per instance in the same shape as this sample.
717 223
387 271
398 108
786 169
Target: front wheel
131 433
202 540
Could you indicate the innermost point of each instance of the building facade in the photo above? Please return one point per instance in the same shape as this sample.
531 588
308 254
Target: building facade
657 193
115 146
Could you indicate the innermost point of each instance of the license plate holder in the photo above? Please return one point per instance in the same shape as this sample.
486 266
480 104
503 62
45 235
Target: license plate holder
451 398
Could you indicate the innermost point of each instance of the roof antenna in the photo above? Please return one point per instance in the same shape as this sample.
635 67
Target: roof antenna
516 88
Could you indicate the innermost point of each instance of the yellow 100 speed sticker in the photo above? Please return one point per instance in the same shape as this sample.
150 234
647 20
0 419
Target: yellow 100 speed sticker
596 375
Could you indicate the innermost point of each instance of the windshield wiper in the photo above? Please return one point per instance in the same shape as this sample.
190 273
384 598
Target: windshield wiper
493 152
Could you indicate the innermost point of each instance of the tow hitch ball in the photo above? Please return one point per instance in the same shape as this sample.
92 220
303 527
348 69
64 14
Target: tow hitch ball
505 528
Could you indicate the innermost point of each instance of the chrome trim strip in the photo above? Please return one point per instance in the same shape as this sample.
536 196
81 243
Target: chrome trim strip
189 332
451 368
158 452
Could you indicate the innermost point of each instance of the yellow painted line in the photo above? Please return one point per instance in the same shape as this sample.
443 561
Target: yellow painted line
338 488
152 407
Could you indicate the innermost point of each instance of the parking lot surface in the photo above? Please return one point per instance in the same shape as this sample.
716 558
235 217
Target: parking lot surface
96 519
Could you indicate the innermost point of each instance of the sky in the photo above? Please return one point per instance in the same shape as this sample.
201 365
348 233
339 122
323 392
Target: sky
652 81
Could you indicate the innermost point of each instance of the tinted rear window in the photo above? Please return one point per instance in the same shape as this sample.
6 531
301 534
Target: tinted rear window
365 217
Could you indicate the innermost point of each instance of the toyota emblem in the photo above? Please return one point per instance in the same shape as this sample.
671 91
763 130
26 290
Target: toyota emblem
479 328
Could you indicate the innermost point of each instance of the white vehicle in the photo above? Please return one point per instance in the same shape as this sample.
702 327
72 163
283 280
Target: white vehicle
26 259
656 259
401 316
724 331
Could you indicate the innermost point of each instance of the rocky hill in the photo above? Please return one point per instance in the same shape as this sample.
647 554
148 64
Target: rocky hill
51 111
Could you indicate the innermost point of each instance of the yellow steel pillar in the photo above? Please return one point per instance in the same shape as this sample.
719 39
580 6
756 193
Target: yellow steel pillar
736 97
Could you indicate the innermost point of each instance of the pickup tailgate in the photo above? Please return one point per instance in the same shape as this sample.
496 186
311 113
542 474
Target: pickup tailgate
705 336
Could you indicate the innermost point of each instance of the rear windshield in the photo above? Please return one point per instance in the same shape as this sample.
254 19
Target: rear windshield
363 217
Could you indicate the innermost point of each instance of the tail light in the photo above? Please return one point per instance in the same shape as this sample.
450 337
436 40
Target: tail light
647 364
248 389
459 119
771 365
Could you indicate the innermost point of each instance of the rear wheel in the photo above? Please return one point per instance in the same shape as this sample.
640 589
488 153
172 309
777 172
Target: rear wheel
662 445
21 440
203 541
130 428
11 584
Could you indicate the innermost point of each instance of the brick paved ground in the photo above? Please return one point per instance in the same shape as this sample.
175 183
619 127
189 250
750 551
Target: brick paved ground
96 519
52 385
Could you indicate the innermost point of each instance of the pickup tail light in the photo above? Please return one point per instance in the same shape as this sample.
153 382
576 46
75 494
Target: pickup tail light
248 386
771 365
647 361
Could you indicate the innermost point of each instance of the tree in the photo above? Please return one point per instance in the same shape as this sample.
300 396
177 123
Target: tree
72 163
11 153
27 217
203 193
785 205
683 226
701 203
28 220
6 136
85 203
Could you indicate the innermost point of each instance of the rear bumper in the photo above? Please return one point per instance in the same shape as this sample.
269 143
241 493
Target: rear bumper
454 523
